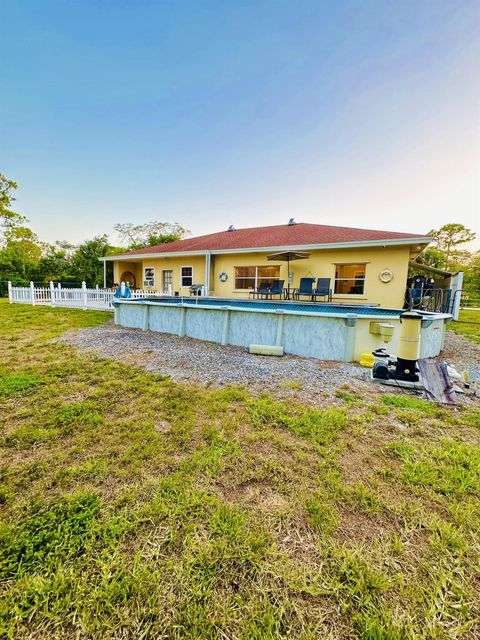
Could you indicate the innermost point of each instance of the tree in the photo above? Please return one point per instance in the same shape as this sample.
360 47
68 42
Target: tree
137 236
471 279
19 256
447 240
85 261
55 263
432 257
8 217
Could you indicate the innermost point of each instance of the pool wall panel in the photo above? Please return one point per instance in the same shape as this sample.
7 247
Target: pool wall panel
164 319
252 328
307 336
431 342
204 324
130 316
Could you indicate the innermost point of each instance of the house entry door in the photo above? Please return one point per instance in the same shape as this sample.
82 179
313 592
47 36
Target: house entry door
167 280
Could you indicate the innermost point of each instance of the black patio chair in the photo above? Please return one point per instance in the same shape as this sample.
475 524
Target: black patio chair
322 289
276 288
305 288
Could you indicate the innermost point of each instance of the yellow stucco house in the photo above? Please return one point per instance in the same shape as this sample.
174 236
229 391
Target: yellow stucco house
364 266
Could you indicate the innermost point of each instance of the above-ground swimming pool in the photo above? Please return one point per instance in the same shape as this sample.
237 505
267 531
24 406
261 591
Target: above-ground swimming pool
324 331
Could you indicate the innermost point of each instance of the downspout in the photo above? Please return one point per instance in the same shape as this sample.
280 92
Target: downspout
207 272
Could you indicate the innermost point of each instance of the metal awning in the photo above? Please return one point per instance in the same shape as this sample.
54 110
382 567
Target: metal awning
427 269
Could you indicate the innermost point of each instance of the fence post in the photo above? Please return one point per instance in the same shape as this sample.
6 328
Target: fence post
52 294
84 294
32 293
10 294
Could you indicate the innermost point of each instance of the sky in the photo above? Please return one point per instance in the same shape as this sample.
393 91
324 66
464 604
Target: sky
243 112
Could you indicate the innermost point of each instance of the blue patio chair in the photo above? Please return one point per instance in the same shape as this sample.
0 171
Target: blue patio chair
305 288
276 288
322 289
263 289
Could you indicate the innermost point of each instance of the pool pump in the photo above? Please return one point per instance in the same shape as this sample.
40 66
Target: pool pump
404 367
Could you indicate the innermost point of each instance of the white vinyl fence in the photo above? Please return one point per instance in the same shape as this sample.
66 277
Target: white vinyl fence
82 298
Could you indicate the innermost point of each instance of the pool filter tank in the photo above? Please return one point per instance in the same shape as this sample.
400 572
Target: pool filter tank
405 366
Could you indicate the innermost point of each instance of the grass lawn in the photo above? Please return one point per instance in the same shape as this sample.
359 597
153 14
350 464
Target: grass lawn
133 507
468 325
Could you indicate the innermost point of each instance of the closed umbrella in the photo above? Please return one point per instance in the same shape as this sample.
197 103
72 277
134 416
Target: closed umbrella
288 256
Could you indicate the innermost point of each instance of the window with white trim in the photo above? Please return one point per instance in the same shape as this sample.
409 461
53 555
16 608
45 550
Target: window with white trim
149 277
350 279
186 276
251 278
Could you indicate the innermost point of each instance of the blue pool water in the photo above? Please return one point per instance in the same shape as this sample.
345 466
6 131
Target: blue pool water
287 306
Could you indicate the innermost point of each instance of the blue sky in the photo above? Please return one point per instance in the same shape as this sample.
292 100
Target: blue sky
240 112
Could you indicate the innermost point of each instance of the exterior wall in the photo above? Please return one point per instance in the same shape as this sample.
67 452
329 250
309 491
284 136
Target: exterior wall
121 267
431 340
321 264
172 264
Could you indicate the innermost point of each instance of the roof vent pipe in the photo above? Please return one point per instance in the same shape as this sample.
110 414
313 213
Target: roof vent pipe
291 221
231 228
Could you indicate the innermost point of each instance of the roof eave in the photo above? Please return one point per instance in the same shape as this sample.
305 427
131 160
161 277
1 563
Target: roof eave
391 242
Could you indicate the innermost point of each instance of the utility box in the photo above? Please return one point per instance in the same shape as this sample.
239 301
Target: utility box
383 329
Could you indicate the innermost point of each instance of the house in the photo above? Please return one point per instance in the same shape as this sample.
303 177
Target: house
365 266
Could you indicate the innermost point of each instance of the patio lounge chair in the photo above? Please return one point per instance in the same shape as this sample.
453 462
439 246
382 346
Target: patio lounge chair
305 288
262 290
276 288
322 290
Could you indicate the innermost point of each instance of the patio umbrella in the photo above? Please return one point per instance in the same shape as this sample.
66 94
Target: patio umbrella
288 256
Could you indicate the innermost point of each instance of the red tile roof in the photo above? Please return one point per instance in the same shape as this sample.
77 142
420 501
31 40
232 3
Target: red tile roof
284 235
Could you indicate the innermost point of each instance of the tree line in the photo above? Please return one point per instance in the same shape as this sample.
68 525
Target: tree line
448 254
25 258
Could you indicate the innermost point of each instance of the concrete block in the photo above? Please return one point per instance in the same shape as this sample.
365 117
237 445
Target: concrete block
266 350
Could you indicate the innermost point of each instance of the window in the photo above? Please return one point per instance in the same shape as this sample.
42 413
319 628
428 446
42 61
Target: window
253 277
350 279
186 276
149 277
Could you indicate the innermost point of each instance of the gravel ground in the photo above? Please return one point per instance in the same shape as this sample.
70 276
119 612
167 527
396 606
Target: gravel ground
461 352
185 359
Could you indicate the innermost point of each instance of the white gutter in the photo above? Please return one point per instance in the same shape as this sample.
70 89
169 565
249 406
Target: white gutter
304 247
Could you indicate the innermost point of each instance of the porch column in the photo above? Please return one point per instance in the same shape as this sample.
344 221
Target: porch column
104 274
207 273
